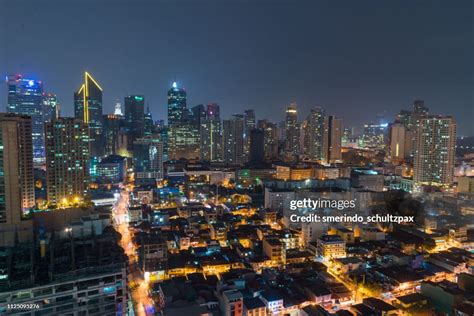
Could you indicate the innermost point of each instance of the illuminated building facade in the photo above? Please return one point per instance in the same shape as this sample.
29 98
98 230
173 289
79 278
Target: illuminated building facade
332 139
148 157
314 134
177 111
51 107
17 194
210 131
331 247
292 131
88 108
67 160
434 152
233 140
25 96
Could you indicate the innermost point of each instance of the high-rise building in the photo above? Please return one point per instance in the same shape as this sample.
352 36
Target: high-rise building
183 142
400 142
148 157
434 152
25 96
233 140
67 161
210 131
271 137
249 125
257 145
17 192
314 134
332 139
112 125
375 135
177 111
134 118
292 131
149 125
88 108
51 107
198 114
118 108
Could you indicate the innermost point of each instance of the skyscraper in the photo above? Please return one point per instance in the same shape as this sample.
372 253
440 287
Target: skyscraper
210 132
332 139
257 145
149 125
112 125
148 157
314 133
67 160
292 131
177 111
198 114
25 96
434 152
51 107
233 140
249 125
17 193
134 118
88 108
271 138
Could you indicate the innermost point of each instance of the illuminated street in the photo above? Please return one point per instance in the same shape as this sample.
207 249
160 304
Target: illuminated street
142 303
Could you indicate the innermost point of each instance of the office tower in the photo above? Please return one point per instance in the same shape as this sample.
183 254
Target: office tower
134 118
434 152
118 108
149 125
332 139
17 192
112 126
257 145
271 137
292 131
25 96
198 114
314 133
183 142
177 111
375 135
249 124
233 140
213 111
88 108
211 134
148 157
210 131
67 161
51 107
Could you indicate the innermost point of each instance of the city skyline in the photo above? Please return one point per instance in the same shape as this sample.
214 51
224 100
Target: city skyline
238 66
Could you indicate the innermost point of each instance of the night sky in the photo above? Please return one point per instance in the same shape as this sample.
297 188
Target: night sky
354 58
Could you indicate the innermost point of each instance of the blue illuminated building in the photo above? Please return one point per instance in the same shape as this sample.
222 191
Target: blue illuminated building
25 96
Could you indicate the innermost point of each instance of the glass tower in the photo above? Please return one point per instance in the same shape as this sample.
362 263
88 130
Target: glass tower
25 96
177 112
88 108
